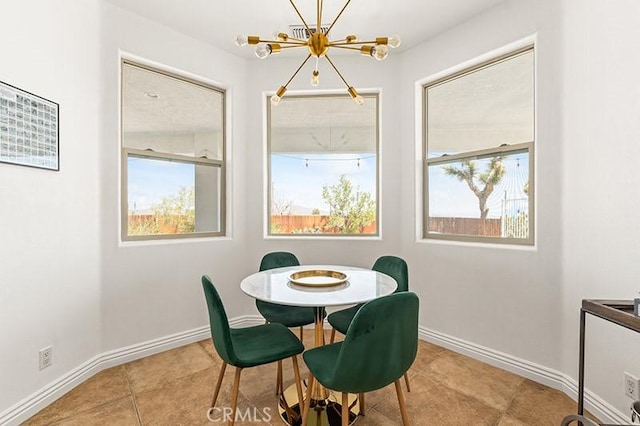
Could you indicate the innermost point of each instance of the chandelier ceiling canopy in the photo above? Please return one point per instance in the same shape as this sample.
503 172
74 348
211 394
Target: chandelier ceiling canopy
316 40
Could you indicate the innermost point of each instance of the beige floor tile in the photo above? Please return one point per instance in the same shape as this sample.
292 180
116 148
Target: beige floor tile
175 388
185 401
117 413
427 352
374 418
372 399
259 380
493 386
535 404
507 420
431 403
268 402
158 370
106 386
207 345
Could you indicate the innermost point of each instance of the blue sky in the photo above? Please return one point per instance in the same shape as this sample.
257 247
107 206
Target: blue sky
448 197
293 181
150 180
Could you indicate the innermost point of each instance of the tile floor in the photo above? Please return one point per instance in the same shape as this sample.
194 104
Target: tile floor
175 388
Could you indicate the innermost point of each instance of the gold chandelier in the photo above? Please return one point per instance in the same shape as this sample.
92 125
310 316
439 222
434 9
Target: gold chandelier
318 44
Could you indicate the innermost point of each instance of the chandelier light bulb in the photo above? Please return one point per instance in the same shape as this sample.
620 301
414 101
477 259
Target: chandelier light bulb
263 50
355 96
394 41
380 52
241 40
315 78
275 99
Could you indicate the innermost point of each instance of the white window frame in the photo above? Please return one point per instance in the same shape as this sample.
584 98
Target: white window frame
126 153
267 210
528 147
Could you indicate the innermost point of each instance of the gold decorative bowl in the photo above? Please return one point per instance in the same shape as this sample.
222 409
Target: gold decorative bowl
318 278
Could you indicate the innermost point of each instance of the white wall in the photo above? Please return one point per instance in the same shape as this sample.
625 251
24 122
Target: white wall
49 279
505 298
600 177
156 286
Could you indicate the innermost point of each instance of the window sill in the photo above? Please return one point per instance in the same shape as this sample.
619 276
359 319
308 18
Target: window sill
323 237
473 244
159 242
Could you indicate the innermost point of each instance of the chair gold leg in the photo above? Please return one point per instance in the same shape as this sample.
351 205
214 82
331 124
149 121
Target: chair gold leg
361 401
403 408
279 385
296 372
345 409
333 335
307 401
220 377
301 333
234 396
406 381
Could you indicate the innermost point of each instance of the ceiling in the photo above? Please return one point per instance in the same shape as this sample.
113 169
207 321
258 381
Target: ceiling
219 21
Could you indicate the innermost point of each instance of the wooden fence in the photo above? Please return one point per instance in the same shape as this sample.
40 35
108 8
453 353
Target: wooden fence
287 224
466 226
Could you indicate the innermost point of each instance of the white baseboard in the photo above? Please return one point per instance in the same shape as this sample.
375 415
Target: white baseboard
536 372
54 390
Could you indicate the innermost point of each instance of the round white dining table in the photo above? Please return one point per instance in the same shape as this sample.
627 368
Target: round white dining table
275 286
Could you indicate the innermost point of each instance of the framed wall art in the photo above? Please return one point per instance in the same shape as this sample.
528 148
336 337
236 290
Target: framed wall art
29 129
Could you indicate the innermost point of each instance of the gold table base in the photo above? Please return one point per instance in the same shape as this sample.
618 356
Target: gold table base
326 412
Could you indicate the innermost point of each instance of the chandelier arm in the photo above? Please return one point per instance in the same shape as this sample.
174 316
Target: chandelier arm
295 46
341 42
337 17
297 42
318 15
300 16
337 72
342 47
298 70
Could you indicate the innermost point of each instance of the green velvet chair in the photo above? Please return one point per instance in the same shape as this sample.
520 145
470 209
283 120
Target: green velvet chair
289 316
393 266
380 346
247 347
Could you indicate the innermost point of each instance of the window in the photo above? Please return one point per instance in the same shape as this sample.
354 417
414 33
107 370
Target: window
173 147
323 166
478 145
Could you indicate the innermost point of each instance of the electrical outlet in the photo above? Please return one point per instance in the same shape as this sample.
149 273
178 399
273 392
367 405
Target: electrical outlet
631 386
46 357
